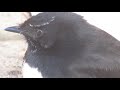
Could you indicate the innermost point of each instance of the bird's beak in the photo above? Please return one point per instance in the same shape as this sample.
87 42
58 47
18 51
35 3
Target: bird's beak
15 29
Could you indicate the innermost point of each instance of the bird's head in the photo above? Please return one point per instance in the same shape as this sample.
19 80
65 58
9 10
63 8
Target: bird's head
40 29
45 28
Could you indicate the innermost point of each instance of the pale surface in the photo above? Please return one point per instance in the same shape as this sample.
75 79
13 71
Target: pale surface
12 45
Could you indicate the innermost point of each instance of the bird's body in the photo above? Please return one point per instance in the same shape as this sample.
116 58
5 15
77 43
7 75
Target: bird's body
64 45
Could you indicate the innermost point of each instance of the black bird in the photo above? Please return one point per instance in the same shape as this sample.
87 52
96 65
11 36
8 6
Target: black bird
64 45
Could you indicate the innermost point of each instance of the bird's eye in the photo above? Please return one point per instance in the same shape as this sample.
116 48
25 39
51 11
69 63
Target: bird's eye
39 33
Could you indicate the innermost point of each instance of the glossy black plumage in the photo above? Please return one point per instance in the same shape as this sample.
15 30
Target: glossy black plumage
64 45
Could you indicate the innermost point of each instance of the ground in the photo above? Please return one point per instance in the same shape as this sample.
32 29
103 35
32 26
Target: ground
11 55
12 47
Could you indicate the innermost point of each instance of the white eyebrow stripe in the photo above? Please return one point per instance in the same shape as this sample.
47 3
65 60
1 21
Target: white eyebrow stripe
53 18
31 25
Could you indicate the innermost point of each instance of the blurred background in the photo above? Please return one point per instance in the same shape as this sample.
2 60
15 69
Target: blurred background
13 46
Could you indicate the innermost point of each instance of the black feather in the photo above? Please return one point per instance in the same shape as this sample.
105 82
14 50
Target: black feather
64 45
